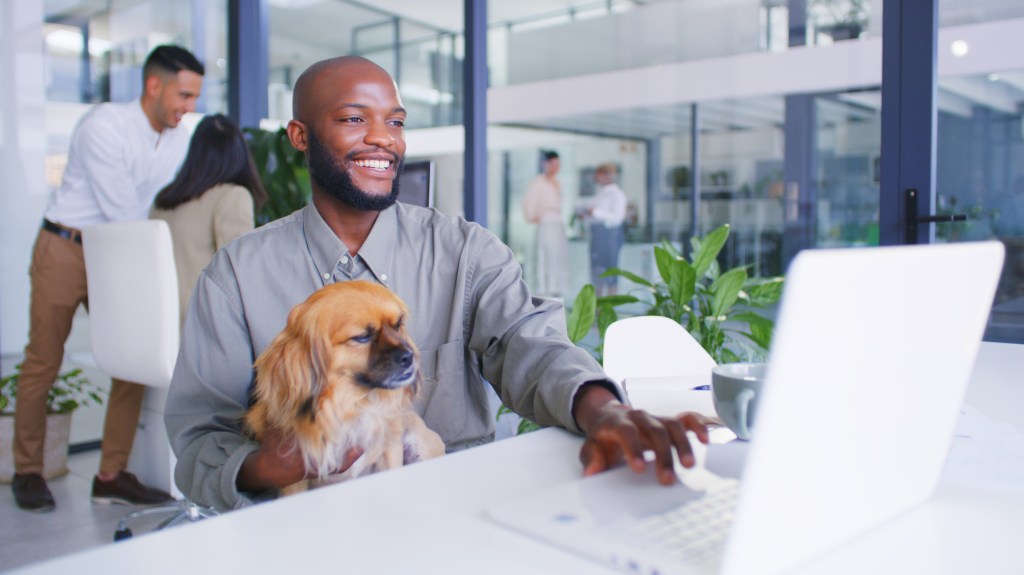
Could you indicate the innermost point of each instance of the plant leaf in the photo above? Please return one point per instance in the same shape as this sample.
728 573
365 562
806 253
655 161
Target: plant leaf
709 248
616 300
664 260
628 275
764 291
582 315
726 289
760 328
681 284
605 317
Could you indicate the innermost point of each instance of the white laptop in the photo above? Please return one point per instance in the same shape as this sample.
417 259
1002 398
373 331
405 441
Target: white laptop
872 353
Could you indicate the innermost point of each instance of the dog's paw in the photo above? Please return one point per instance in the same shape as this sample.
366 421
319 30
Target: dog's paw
420 446
409 454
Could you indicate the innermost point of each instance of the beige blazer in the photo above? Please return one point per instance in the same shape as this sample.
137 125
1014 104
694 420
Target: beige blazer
202 226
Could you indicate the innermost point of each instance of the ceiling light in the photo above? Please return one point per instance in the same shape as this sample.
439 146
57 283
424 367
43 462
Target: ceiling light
959 48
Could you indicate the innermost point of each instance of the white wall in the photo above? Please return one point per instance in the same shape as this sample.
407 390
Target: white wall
23 191
655 33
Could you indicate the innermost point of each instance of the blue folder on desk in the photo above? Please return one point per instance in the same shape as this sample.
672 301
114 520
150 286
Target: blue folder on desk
871 358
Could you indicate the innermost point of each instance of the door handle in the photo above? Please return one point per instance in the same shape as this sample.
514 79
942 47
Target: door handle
912 219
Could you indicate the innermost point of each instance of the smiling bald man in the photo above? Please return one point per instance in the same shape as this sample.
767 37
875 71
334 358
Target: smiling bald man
471 313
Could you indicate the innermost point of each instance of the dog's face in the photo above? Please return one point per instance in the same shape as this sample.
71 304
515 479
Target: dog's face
347 333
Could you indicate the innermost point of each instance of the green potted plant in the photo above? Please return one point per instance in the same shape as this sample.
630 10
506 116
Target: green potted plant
71 391
840 19
721 310
282 170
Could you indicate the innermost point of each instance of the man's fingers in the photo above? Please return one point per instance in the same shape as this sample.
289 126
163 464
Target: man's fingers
698 424
351 456
593 460
659 440
678 429
632 445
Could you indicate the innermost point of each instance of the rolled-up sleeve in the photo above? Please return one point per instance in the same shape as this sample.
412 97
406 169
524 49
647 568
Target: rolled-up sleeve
208 396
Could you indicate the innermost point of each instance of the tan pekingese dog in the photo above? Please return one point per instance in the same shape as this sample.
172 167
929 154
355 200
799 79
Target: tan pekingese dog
342 374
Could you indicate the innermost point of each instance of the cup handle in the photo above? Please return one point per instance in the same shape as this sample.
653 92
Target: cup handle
743 399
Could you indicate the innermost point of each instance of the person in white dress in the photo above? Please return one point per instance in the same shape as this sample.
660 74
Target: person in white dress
542 205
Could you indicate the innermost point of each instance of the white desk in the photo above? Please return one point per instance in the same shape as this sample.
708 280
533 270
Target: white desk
428 518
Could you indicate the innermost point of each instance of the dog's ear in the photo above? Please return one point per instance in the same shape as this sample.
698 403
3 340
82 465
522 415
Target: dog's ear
291 369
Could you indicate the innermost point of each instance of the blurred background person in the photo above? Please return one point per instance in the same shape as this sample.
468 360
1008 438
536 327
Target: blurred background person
542 205
606 216
212 201
120 155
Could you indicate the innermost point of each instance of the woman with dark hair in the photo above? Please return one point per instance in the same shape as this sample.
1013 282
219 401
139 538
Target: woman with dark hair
211 201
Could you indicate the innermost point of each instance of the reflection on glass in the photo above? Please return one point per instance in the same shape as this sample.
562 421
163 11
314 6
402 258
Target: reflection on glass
980 173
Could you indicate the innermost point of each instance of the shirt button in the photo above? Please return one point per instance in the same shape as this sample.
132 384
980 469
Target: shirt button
327 276
384 277
344 260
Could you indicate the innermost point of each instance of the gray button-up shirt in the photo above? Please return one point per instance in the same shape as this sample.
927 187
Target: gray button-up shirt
470 314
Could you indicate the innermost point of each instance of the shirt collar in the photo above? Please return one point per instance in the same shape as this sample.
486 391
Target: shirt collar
326 249
143 122
378 250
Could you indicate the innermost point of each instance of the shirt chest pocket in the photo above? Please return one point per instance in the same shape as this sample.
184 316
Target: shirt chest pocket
441 399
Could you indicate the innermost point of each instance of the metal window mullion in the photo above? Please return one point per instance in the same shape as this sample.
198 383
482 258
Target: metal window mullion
909 85
248 68
474 117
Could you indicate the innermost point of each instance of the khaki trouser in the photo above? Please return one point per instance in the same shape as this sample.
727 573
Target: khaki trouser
58 287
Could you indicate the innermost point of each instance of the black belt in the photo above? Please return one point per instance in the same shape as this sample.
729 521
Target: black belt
66 233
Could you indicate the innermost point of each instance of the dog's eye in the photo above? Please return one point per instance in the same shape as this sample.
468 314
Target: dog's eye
364 337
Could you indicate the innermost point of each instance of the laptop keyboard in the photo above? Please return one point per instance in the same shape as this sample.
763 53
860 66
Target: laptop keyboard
694 532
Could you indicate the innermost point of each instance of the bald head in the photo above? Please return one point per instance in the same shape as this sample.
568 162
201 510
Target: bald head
349 121
345 70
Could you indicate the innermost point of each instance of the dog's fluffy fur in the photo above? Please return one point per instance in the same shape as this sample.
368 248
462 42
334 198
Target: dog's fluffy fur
342 374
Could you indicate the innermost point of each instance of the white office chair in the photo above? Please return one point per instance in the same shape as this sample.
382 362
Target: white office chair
134 331
652 346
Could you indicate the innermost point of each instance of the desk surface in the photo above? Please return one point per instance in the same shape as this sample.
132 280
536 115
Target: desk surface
428 517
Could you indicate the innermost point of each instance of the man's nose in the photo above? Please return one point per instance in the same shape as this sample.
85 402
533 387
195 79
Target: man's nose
378 135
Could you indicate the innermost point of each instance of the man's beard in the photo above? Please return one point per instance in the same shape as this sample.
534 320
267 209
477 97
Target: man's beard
337 182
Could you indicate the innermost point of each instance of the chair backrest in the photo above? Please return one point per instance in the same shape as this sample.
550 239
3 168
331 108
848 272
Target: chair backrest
133 300
652 346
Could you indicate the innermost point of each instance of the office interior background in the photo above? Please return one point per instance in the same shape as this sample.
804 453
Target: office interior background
763 114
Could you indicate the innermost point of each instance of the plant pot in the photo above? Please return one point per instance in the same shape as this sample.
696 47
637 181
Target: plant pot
55 449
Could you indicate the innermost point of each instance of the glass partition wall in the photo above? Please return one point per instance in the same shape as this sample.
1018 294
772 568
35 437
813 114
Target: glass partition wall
768 119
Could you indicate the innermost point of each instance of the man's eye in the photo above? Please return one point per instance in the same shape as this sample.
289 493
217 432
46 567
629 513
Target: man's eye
399 123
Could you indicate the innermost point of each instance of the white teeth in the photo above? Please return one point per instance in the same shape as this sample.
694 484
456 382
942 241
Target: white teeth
374 164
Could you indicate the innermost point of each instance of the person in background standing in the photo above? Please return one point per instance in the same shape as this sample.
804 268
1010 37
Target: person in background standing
542 205
212 200
606 215
121 154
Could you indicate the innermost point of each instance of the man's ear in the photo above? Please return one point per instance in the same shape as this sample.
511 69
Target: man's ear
154 85
297 135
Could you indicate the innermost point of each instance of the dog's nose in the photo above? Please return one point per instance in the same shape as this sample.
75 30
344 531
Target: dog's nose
403 357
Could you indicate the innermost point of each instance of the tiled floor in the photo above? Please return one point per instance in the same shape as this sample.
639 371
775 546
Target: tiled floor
76 525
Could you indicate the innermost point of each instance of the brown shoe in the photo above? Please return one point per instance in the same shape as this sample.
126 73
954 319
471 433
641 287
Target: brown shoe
31 493
126 490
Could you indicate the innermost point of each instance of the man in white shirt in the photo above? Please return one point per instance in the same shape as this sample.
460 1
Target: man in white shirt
606 214
121 155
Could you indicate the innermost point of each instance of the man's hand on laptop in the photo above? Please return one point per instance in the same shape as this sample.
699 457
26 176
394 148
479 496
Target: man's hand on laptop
617 432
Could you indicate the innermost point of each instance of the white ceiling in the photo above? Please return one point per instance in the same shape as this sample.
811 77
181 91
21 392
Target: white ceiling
307 30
